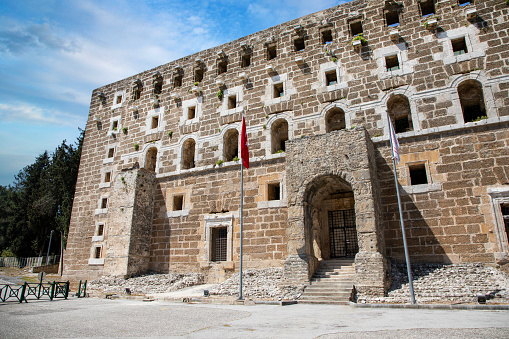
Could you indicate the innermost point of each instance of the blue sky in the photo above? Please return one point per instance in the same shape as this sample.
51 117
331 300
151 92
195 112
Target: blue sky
54 53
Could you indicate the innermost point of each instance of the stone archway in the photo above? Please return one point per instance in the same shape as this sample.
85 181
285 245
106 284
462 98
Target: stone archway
317 168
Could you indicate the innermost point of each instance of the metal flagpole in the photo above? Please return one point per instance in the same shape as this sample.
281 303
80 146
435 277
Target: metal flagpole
241 219
407 257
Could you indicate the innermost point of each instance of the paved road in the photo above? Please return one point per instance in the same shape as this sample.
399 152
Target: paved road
102 318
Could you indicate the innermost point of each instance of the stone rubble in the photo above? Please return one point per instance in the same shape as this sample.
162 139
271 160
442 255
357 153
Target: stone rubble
146 284
259 284
436 283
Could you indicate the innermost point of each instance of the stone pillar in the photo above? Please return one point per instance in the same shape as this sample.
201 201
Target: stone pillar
129 224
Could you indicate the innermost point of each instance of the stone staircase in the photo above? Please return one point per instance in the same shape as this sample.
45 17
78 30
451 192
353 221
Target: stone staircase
332 283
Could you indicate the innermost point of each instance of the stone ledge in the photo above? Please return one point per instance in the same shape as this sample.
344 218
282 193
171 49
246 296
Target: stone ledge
435 306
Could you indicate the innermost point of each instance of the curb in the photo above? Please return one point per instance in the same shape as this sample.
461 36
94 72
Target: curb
435 306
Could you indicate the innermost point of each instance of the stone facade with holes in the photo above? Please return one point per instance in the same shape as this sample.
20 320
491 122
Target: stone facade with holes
316 101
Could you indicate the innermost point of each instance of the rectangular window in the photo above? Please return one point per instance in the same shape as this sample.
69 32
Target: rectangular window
326 36
271 52
155 122
459 46
299 44
177 81
158 87
427 7
219 244
356 28
331 78
111 152
191 112
222 67
137 93
198 75
392 19
97 252
232 101
104 203
107 177
118 100
246 60
278 90
114 125
504 208
100 230
418 174
273 191
464 2
392 63
178 202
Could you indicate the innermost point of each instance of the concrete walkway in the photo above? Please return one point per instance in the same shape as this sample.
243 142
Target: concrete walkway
103 318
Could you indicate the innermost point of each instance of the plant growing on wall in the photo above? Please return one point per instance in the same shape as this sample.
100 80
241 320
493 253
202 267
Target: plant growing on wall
235 158
361 38
220 94
170 133
219 162
136 146
334 59
124 129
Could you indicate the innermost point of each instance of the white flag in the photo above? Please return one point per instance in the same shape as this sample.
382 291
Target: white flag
394 142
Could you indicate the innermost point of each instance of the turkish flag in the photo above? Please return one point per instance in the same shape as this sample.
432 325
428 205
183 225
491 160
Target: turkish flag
244 150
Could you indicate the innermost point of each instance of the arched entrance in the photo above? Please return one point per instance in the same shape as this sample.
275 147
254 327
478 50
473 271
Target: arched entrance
330 220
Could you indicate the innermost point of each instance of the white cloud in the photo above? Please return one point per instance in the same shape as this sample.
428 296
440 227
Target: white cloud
28 114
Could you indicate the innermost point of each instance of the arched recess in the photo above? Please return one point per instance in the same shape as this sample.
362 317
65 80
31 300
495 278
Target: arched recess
231 144
151 159
279 135
400 113
329 220
188 154
471 97
335 120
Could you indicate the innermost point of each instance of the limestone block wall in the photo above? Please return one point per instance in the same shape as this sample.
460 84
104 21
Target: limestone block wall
172 115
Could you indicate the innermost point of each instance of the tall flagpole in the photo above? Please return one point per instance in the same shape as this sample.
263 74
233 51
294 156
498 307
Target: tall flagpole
407 257
241 223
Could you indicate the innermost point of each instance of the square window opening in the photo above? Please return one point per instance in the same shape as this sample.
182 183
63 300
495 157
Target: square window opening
299 44
356 28
178 202
198 75
137 94
427 7
392 19
273 191
177 81
278 90
271 52
326 36
100 230
111 152
158 88
118 99
331 78
222 67
392 63
155 122
191 112
459 46
107 177
104 203
246 60
219 244
418 174
402 124
114 125
97 253
232 101
464 2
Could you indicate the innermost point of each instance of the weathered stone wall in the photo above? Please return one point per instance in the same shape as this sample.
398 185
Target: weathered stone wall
449 220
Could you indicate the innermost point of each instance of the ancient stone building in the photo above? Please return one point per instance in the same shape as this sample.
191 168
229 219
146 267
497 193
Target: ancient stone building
159 180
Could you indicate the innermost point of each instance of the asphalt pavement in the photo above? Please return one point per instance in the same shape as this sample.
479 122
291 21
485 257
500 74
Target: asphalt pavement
121 318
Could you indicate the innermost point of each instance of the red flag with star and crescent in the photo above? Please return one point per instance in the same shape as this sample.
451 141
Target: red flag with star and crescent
244 150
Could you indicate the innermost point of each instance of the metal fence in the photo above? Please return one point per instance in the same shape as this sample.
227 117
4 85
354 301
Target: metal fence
20 293
28 262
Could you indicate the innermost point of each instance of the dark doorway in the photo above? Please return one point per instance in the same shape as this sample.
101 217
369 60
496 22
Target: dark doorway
343 234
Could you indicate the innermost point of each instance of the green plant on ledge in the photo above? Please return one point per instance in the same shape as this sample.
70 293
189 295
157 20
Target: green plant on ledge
361 38
136 146
220 94
482 117
124 129
334 59
219 162
280 151
170 133
235 158
196 83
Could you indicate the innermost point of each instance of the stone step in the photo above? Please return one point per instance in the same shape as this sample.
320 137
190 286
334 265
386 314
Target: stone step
324 298
329 287
324 279
321 295
329 302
